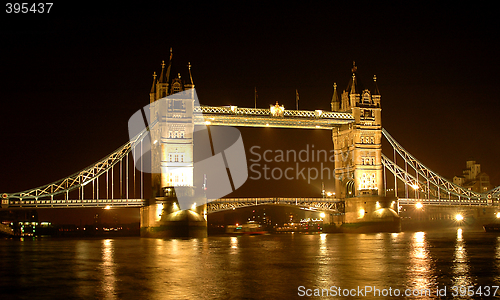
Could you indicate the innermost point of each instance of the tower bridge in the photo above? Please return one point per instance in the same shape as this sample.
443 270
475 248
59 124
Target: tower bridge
363 174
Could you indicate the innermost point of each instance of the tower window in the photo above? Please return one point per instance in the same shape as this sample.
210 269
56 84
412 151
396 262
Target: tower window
176 87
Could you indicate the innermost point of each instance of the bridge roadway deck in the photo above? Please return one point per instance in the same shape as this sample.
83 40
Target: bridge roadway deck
231 203
329 204
259 117
71 203
444 202
213 205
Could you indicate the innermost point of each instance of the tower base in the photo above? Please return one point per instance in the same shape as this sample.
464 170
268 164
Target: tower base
160 221
371 214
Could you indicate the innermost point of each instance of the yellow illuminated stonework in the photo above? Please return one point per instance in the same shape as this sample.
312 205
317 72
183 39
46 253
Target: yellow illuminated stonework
368 181
357 146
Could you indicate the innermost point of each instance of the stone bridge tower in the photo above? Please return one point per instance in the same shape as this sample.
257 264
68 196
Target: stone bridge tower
358 165
172 159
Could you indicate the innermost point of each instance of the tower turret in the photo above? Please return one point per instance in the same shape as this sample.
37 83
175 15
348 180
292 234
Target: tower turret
351 95
335 98
152 93
376 93
164 86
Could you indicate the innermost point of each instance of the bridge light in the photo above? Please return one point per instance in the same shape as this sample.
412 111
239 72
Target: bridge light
498 215
419 205
377 205
207 122
193 207
107 207
361 213
322 215
159 211
459 217
414 186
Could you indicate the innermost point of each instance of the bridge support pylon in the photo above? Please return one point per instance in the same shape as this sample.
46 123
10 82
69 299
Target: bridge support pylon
371 214
162 218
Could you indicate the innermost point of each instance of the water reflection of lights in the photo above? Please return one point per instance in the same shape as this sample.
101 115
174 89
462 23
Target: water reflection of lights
420 262
322 243
108 268
461 262
159 245
323 238
174 246
234 243
497 256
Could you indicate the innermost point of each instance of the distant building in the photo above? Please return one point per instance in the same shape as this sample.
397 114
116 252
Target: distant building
473 179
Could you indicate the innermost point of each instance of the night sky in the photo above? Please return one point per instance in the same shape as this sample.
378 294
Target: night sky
70 79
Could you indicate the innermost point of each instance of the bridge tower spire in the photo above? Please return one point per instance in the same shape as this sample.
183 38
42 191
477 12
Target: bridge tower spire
335 98
152 94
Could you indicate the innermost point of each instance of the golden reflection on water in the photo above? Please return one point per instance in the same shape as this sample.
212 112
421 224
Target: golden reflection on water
108 284
325 275
176 265
420 263
461 276
322 244
497 257
234 245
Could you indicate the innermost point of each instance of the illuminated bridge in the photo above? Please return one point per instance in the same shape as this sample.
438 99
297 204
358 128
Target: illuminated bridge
364 175
114 181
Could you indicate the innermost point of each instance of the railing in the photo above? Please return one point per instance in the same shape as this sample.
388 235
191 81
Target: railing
329 204
75 203
462 202
259 117
234 110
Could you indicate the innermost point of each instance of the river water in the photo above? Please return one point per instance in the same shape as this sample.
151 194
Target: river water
422 265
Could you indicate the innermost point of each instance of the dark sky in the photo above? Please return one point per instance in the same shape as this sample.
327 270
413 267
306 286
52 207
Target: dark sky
70 79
